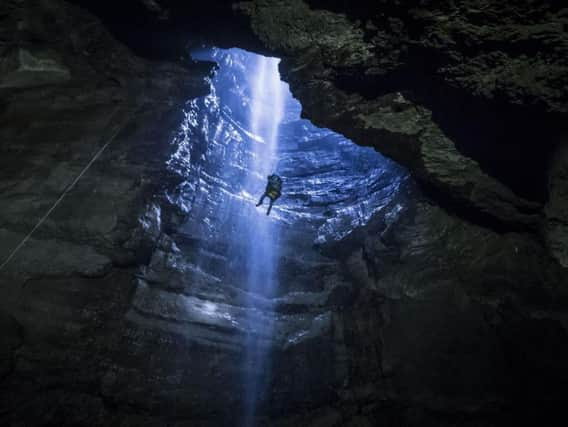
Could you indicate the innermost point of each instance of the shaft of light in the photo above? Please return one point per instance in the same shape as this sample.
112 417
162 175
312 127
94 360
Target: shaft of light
267 111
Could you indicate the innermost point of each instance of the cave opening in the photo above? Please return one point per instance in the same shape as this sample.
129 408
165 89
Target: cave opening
267 278
249 126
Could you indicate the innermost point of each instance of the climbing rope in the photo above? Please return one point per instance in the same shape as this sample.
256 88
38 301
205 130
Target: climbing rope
66 191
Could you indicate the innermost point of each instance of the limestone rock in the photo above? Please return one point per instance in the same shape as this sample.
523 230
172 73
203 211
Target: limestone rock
557 206
326 54
23 68
412 309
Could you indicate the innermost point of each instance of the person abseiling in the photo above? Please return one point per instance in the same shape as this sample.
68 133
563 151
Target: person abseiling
273 191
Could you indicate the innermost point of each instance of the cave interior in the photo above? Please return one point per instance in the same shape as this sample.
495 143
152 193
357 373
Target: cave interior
412 273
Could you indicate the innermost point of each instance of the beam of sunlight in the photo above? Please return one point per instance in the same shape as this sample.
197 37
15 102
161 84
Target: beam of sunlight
247 128
267 110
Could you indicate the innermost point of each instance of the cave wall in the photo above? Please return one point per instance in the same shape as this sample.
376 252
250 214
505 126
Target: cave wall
452 304
418 84
555 209
67 89
461 93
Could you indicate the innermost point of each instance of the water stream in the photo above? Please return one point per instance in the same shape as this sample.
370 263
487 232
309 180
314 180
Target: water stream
241 263
260 234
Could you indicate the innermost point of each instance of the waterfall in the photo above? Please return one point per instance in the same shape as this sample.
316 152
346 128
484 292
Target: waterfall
248 127
266 113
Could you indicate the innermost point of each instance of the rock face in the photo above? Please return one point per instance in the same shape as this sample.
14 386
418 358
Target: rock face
197 284
68 89
77 92
396 81
436 298
557 208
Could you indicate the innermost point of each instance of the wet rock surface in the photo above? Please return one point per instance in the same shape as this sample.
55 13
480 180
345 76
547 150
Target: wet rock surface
127 305
387 82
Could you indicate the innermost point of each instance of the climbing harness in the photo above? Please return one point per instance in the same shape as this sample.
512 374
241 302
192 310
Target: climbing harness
274 187
273 194
67 189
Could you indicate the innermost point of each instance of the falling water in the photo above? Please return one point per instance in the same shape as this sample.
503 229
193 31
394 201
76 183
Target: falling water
267 107
248 127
